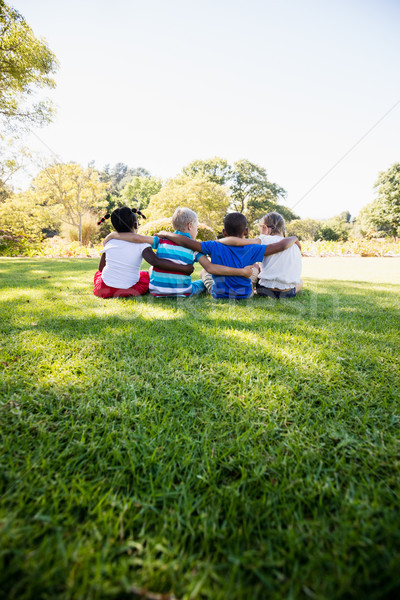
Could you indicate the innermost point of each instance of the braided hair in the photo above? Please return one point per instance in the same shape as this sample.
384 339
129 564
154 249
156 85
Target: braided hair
124 219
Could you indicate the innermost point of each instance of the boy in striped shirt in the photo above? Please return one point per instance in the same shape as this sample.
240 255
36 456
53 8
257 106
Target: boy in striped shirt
176 284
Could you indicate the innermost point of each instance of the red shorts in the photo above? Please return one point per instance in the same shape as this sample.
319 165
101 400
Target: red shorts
105 291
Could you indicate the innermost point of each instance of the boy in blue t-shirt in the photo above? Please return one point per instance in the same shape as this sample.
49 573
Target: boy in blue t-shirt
235 225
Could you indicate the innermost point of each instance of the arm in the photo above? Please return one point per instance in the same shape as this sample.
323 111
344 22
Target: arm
280 246
164 264
135 238
181 240
235 241
222 270
298 244
102 262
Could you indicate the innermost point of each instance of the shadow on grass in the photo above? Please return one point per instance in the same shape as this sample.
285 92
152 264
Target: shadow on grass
240 449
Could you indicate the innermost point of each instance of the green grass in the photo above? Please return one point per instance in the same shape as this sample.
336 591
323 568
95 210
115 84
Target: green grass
205 449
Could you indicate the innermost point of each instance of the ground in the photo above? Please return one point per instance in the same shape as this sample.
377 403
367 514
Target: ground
197 448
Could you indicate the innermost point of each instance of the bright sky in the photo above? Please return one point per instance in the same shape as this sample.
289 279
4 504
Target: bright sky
289 85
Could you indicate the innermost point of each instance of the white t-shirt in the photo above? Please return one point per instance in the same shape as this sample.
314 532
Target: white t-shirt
281 270
123 260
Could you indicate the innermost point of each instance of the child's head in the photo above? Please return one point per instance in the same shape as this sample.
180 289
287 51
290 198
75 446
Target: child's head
124 219
235 224
185 220
274 222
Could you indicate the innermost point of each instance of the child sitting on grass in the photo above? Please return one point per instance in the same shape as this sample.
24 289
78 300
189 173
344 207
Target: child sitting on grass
239 255
119 272
280 274
167 284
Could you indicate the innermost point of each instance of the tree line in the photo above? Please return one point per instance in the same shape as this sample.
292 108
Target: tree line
67 198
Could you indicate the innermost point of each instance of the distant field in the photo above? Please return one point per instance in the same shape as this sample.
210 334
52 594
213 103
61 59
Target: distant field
376 270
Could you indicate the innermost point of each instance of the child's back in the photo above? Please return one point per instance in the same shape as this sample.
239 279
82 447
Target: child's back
169 283
283 270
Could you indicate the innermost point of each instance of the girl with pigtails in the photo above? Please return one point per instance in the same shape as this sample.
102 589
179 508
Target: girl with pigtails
119 273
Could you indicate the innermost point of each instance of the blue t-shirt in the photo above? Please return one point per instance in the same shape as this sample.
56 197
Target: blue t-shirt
232 256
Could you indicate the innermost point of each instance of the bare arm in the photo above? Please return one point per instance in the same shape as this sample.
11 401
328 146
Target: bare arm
130 236
280 246
235 241
164 264
102 262
181 240
222 270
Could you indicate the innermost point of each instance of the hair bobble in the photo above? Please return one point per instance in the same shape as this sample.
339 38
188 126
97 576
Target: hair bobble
135 210
107 216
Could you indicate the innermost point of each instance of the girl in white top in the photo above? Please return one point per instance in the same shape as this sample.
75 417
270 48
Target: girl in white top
280 274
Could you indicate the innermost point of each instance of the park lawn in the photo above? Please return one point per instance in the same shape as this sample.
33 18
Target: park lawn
198 448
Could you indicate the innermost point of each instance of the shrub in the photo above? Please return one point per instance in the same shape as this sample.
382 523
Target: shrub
305 229
12 244
204 233
90 230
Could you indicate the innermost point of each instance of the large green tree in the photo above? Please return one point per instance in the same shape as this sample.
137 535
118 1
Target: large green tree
248 186
138 192
72 189
26 65
209 200
388 200
215 169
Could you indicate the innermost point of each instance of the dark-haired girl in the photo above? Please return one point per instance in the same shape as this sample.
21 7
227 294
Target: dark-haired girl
119 273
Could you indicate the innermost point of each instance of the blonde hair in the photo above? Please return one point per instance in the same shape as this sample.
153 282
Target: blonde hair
275 222
182 217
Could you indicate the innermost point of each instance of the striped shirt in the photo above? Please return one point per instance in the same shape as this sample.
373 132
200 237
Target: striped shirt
170 283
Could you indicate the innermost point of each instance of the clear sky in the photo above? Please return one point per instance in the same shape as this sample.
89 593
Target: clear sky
289 85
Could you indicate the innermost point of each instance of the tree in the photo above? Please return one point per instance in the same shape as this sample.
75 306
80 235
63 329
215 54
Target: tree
215 169
209 200
250 188
119 175
12 156
386 211
305 229
71 188
26 65
139 190
21 213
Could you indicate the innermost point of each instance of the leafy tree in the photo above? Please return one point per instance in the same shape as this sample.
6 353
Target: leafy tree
26 64
209 200
305 229
12 156
336 228
72 189
215 169
251 191
385 214
119 175
22 214
138 192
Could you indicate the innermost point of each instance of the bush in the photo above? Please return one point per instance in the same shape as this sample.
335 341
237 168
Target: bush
90 230
305 229
204 233
12 244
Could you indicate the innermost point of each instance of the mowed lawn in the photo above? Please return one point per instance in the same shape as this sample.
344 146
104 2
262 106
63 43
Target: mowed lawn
200 449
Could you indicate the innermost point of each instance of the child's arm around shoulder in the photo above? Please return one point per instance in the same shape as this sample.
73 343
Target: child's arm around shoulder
235 241
164 264
280 246
129 236
181 240
223 271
